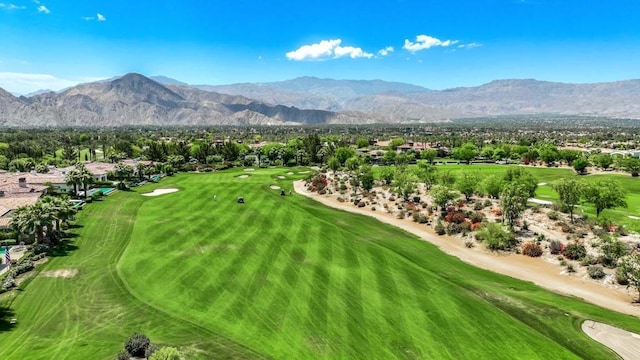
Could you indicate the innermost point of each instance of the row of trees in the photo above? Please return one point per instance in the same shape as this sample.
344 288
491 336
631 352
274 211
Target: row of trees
43 221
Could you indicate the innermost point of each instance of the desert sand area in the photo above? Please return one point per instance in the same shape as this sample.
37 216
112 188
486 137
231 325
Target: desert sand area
624 343
158 192
541 273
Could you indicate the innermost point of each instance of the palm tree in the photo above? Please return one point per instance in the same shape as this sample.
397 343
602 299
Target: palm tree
85 177
73 179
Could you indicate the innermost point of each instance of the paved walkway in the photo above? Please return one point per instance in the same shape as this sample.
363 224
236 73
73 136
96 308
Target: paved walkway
15 255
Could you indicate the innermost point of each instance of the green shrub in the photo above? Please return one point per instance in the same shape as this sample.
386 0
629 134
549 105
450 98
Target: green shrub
588 260
621 277
137 345
496 237
532 249
552 215
570 268
575 251
478 206
440 230
469 244
555 247
123 355
166 353
596 272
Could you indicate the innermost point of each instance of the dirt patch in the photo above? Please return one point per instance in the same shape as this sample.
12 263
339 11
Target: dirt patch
624 343
158 192
62 273
274 187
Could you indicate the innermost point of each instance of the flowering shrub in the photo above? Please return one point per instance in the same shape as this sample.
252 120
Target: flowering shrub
556 247
318 182
532 249
455 217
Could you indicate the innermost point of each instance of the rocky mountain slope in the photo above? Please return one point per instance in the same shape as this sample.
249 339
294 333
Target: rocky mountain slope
134 99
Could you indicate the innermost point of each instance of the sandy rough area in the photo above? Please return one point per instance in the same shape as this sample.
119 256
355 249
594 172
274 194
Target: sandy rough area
624 343
62 273
158 192
541 273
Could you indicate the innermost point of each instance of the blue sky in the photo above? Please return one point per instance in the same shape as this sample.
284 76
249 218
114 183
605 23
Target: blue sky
436 44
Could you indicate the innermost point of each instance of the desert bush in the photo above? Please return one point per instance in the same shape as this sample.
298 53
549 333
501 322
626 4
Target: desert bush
455 217
555 247
596 272
469 244
570 268
563 262
566 228
137 345
496 237
575 251
487 203
478 206
539 237
476 217
440 230
453 228
532 249
621 277
552 215
419 218
588 260
612 249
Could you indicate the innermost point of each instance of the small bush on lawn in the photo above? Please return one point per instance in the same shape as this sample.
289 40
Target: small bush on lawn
556 247
532 249
137 345
166 353
596 272
575 251
123 355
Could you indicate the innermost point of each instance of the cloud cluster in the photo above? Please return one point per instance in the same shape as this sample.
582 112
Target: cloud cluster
98 17
43 9
327 49
24 83
386 51
424 42
11 6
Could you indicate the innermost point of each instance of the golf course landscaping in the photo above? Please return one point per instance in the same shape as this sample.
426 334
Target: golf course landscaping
279 277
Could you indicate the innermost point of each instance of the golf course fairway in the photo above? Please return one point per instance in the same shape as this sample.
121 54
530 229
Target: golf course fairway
279 277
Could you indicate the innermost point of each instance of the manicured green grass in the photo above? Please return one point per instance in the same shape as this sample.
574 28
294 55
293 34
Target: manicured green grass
283 277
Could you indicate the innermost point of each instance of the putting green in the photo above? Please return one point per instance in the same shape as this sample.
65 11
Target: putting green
280 277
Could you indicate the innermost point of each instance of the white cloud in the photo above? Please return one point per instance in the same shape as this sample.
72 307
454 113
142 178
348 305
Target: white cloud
98 17
43 9
426 42
386 51
101 17
88 18
25 83
11 6
327 49
469 45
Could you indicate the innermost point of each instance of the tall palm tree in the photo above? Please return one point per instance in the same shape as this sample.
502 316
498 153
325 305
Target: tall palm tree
73 179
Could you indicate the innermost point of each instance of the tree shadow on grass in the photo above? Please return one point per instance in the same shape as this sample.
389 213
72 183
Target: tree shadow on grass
65 248
7 317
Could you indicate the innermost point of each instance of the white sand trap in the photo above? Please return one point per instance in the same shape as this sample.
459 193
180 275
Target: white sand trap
62 273
242 176
303 172
542 184
541 202
282 177
275 187
634 217
249 169
158 192
624 343
290 173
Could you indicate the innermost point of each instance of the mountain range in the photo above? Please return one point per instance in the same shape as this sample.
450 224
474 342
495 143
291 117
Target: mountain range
134 99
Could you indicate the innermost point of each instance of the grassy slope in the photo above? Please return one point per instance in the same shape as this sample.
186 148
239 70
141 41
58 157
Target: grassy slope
294 279
546 192
90 316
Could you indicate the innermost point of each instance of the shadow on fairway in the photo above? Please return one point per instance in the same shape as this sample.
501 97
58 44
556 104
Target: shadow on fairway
6 316
64 249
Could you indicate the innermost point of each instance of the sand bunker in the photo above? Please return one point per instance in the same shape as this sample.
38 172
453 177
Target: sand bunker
242 176
624 343
541 202
282 177
290 173
634 217
542 184
303 172
249 169
62 273
275 187
158 192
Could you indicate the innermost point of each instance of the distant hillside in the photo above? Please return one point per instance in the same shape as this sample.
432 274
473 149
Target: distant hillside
403 102
134 99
